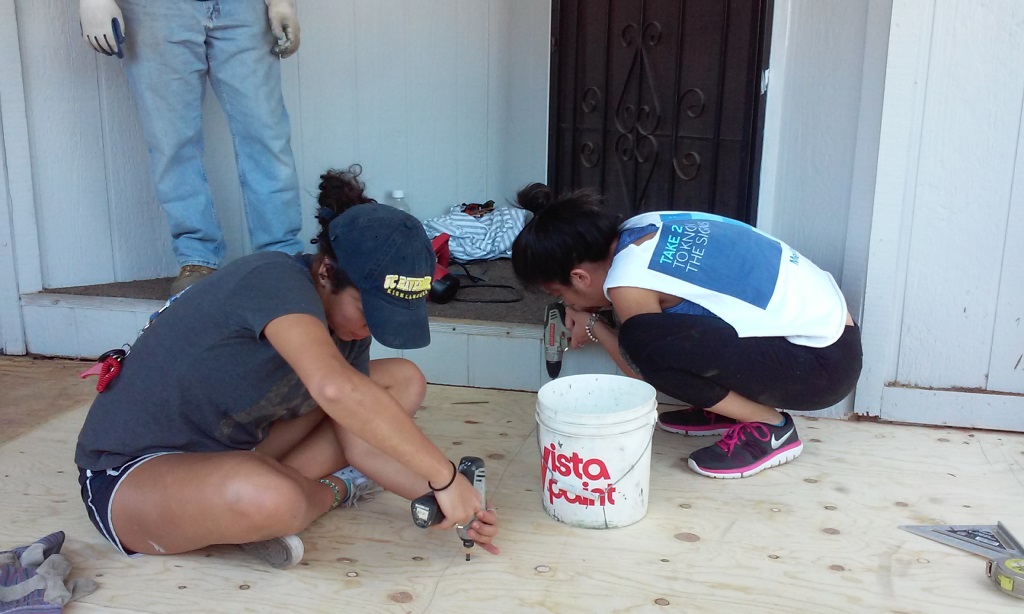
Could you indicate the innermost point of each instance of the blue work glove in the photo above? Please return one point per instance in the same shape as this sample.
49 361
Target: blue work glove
285 26
102 26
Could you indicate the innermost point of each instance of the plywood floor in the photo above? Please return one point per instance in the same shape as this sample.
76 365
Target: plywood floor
34 390
818 533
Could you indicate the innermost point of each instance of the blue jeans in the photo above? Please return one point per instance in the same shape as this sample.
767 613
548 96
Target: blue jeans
172 47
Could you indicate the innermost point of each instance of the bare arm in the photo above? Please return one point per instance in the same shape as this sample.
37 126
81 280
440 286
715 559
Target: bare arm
608 338
627 302
354 401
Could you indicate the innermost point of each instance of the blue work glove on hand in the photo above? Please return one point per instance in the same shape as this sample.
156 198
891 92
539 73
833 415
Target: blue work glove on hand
102 26
285 26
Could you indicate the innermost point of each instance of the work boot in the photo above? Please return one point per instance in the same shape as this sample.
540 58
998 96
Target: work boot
189 274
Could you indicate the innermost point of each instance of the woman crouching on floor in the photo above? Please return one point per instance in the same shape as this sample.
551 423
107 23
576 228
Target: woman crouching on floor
713 312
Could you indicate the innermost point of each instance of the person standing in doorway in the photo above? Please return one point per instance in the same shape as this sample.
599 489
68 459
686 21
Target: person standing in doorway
170 48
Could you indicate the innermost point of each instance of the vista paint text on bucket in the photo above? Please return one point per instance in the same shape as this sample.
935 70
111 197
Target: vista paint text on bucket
574 465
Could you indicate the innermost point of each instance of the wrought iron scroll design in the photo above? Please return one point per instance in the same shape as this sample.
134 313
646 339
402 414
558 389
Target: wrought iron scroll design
590 153
636 121
687 164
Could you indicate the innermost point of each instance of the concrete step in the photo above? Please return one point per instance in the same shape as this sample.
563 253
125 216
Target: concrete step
477 353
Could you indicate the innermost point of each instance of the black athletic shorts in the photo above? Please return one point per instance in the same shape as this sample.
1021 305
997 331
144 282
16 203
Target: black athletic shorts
98 490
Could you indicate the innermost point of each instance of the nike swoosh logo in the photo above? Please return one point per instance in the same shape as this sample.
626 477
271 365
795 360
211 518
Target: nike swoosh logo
778 442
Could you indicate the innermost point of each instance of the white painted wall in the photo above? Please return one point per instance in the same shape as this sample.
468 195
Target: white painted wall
445 99
865 162
822 121
812 119
944 299
19 244
12 334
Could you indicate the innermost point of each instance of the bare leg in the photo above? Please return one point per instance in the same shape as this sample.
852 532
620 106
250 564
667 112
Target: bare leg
181 502
320 446
742 409
286 435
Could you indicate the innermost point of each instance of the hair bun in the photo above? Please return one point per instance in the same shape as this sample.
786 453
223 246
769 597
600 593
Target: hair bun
341 190
535 197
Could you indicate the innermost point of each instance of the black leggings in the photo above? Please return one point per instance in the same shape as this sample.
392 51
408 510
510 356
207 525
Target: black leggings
700 359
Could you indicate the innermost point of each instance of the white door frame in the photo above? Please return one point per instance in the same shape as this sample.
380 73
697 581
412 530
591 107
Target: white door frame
20 266
12 328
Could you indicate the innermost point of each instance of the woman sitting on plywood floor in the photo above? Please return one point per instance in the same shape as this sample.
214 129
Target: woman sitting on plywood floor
238 404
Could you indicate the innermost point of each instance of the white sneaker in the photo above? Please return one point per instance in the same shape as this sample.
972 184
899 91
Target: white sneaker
279 553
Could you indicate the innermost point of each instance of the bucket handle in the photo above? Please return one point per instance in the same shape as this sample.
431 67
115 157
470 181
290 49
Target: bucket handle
588 495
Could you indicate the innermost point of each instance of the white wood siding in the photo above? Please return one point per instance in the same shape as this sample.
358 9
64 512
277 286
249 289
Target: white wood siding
446 100
12 335
969 145
19 243
944 296
1006 370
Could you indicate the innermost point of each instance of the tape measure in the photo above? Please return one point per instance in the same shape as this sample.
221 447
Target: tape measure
1008 575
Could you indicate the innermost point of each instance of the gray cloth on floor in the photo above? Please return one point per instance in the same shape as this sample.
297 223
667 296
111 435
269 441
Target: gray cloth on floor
33 578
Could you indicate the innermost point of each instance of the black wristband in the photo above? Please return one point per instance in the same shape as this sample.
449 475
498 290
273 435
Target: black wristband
455 472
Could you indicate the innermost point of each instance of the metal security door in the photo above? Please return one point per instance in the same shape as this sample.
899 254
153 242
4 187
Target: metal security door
659 104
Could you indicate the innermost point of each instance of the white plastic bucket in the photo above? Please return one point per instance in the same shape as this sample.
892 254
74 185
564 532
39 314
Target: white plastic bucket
594 433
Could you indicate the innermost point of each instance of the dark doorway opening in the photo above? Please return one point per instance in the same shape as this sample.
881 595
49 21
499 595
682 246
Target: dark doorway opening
659 104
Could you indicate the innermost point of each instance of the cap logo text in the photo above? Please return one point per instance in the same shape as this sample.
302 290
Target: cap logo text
407 287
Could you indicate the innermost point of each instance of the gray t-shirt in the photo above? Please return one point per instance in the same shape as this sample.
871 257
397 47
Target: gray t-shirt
202 378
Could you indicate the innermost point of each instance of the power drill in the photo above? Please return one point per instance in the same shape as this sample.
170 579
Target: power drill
556 338
426 512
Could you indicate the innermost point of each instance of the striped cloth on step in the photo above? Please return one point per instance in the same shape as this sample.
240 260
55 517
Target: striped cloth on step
485 238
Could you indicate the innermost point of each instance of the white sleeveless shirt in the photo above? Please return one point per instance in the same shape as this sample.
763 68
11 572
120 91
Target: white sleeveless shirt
756 283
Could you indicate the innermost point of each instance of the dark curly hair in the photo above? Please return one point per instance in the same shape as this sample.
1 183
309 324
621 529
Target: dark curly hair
563 233
340 190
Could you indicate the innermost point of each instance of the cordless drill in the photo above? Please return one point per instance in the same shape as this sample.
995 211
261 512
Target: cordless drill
556 337
426 512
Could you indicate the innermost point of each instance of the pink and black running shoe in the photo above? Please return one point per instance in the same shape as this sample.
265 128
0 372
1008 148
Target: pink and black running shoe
748 448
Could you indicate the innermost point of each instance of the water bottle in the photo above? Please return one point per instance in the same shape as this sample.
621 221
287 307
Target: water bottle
398 200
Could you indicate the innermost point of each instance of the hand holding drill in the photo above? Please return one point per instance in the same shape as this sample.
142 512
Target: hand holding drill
427 512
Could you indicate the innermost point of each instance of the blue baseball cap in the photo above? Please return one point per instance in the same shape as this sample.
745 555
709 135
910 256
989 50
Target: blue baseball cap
387 255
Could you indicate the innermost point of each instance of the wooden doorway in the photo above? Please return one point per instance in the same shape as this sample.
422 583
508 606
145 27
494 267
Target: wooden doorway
659 104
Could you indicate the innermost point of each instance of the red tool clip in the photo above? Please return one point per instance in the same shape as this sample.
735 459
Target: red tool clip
107 367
